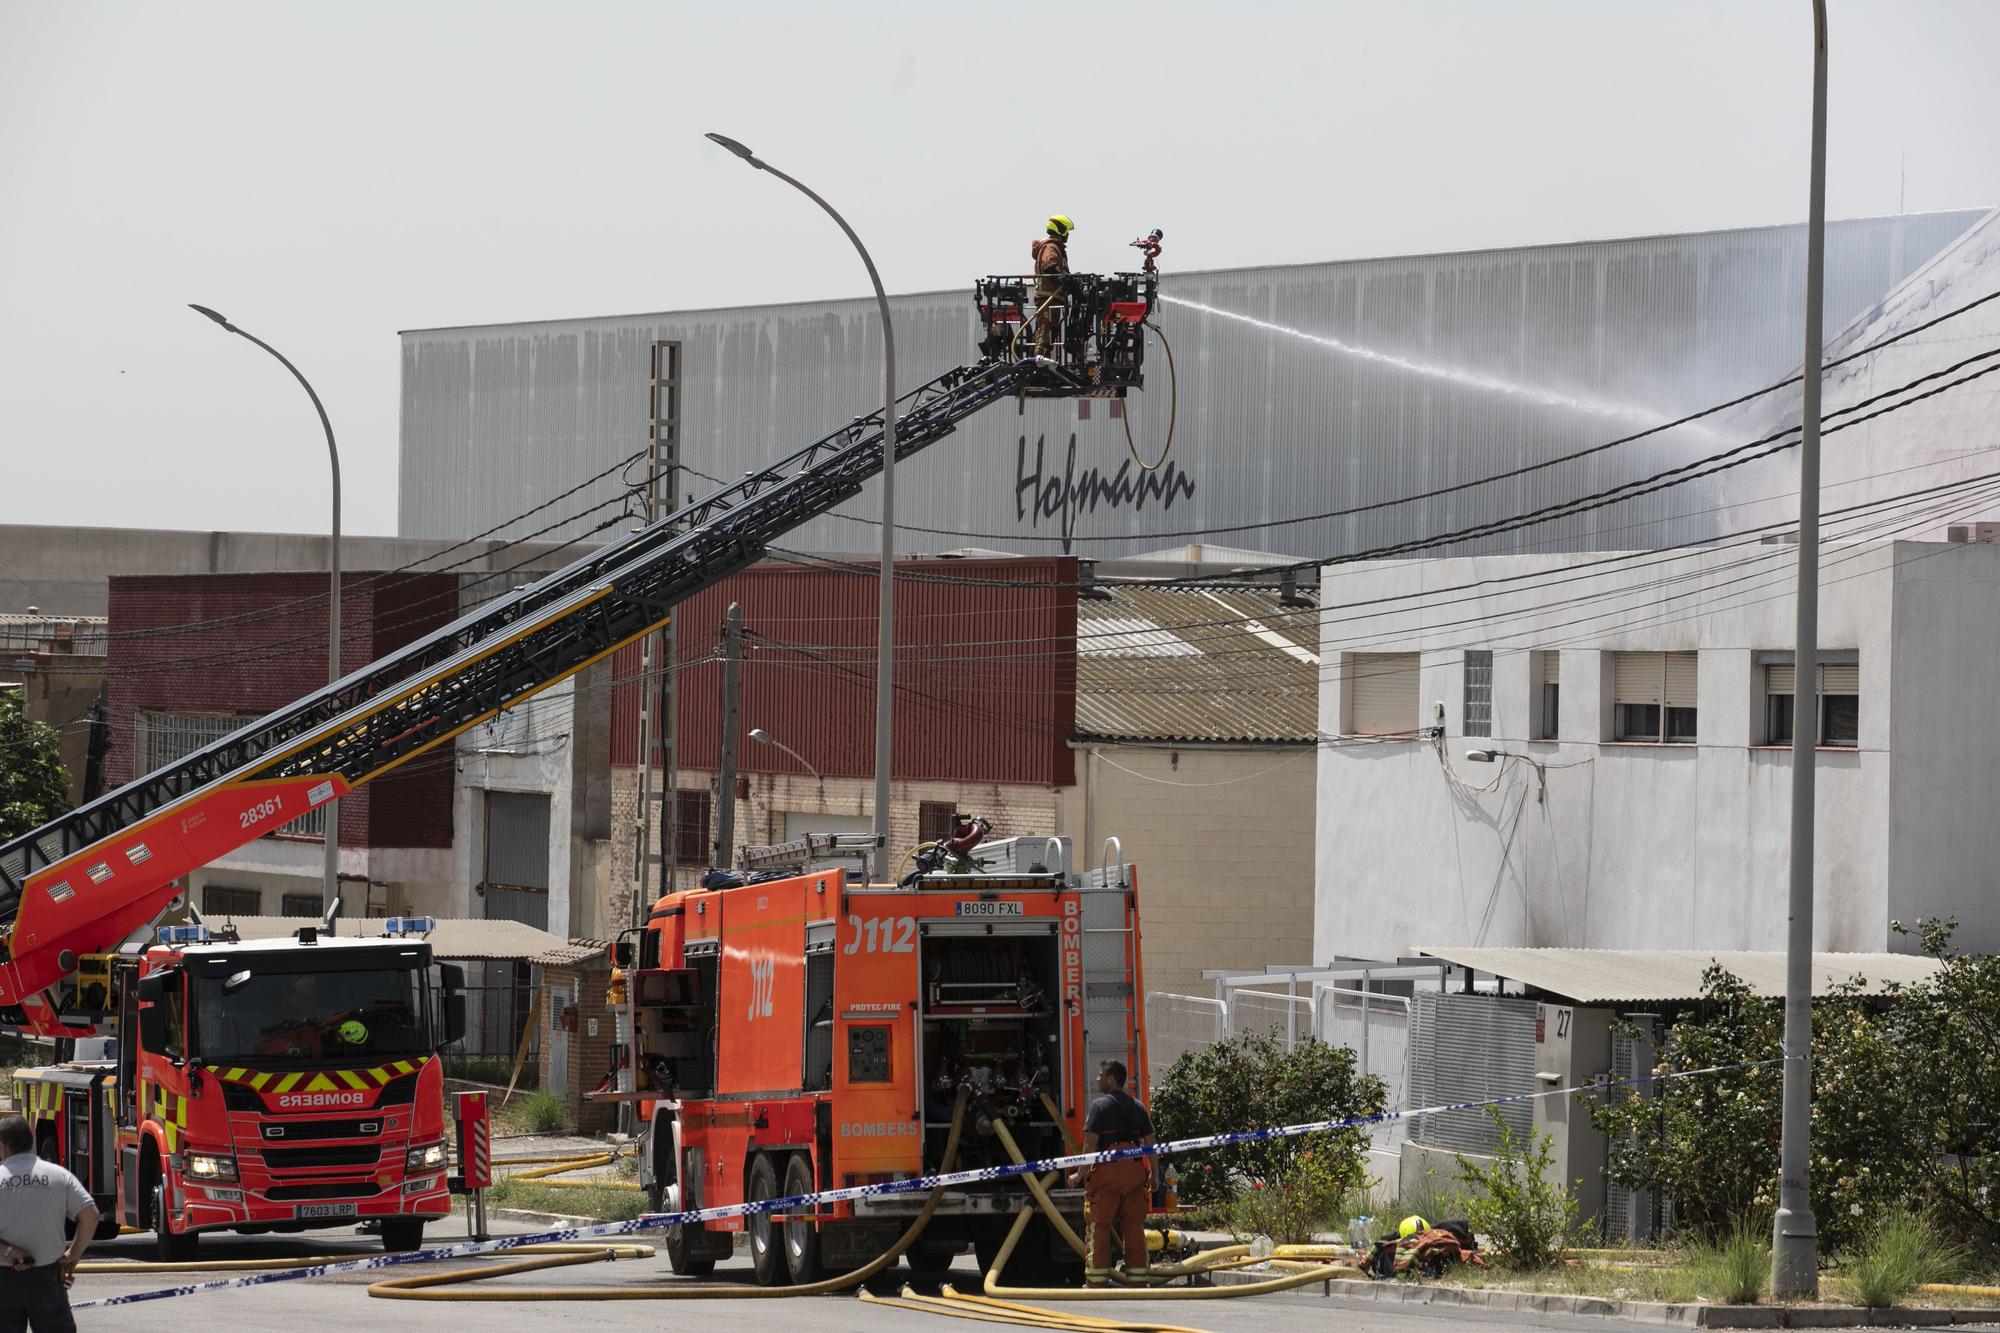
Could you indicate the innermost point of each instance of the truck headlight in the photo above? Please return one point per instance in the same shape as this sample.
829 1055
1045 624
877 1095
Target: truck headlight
428 1157
207 1166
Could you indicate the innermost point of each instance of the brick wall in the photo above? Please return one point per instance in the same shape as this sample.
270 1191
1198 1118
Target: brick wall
580 986
248 644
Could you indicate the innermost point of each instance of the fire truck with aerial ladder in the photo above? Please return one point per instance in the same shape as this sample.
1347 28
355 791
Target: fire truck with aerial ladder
279 1085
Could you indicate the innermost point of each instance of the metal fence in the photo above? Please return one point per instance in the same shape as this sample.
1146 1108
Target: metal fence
1374 1026
499 1000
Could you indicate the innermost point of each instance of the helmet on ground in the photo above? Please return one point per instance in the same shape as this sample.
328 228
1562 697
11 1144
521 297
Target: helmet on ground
1411 1225
354 1032
1060 226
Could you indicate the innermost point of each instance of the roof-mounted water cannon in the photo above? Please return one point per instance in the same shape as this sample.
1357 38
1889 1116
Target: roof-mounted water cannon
1149 246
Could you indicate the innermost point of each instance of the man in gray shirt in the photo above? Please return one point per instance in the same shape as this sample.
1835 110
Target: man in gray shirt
36 1265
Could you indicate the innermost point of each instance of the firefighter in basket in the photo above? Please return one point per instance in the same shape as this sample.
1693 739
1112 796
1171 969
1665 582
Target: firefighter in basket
1051 258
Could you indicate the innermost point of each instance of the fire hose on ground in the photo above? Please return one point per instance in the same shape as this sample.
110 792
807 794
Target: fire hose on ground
934 1184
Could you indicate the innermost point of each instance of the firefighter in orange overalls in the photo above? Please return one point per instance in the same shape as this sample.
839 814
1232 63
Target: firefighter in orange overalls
1051 258
1115 1194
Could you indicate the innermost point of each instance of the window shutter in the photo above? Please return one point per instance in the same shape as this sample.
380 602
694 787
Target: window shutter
1551 667
1639 678
1385 693
1781 678
1681 672
1841 678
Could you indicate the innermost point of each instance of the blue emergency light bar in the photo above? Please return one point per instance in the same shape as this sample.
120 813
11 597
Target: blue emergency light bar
184 935
409 925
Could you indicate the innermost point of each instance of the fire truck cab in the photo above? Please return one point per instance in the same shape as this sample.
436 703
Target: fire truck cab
258 1085
802 1029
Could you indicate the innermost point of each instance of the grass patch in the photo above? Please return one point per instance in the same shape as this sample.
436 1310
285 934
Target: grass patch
536 1113
1900 1253
1735 1270
606 1205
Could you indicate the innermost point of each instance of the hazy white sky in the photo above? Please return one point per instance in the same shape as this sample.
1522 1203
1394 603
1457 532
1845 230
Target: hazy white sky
329 173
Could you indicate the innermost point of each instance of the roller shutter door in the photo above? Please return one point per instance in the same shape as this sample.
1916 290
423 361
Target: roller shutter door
1385 693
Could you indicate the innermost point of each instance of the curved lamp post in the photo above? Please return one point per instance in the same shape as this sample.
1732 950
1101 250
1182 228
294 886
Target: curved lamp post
764 737
330 886
885 639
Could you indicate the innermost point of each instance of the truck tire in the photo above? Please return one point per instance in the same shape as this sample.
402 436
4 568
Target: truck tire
801 1239
929 1263
767 1244
400 1235
1033 1263
682 1242
173 1247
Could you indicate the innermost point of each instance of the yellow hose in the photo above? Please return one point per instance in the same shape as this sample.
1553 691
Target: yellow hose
420 1287
1020 1316
1957 1289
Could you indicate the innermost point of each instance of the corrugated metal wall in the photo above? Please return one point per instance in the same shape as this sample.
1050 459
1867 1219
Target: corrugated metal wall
998 707
496 419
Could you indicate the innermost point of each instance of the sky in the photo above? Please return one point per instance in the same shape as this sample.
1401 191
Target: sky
327 174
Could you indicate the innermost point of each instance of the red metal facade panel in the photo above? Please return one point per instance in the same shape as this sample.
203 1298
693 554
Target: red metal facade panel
248 644
985 671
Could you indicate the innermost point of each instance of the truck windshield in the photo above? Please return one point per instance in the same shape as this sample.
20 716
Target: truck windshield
346 1017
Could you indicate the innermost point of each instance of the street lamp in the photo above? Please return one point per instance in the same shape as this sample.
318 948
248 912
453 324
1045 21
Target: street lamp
885 641
1541 771
764 737
330 885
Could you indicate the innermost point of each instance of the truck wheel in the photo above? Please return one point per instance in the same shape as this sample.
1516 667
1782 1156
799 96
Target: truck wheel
802 1259
683 1241
400 1235
173 1248
767 1251
928 1262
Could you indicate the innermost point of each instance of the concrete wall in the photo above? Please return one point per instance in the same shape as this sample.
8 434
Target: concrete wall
1640 845
1942 842
1223 839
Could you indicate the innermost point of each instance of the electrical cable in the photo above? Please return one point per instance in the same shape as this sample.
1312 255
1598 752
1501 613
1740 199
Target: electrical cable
1173 410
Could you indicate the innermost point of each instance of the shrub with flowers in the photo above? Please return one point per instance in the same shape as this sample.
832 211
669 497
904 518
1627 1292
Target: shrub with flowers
1252 1082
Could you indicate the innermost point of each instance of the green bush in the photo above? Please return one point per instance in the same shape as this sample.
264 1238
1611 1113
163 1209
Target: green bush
1292 1207
1899 1253
1250 1082
1513 1199
538 1113
1735 1268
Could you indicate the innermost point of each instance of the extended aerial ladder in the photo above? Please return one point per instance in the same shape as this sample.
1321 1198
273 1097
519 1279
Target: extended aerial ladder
80 884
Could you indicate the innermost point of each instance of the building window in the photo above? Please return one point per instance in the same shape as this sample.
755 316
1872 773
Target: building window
301 904
1655 697
170 737
691 810
1381 691
1546 680
1838 696
934 820
1478 692
216 900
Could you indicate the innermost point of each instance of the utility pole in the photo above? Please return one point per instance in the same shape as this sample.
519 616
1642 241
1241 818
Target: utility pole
1794 1232
653 833
732 721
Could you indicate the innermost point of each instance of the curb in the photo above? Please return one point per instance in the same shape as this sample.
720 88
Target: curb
1648 1312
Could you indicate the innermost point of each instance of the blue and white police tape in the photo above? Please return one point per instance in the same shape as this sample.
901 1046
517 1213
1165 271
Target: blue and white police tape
913 1185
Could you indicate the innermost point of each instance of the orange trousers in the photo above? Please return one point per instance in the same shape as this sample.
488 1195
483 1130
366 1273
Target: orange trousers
1114 1200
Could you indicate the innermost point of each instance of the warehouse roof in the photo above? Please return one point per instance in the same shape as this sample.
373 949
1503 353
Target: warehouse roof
484 940
1621 976
1196 665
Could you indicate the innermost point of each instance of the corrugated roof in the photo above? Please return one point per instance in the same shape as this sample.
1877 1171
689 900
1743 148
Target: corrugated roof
1196 664
1622 976
576 951
488 941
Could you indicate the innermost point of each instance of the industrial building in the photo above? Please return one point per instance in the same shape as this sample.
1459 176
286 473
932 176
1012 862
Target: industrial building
1398 376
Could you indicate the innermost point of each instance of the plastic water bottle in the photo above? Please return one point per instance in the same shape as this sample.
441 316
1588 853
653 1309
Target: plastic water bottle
1357 1231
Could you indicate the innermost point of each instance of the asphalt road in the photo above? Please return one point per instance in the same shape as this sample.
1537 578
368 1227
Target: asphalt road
341 1302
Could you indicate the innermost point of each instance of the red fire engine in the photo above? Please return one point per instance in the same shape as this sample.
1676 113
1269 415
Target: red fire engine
802 1029
258 1085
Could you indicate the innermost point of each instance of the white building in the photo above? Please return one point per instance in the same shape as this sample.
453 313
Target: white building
1644 704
